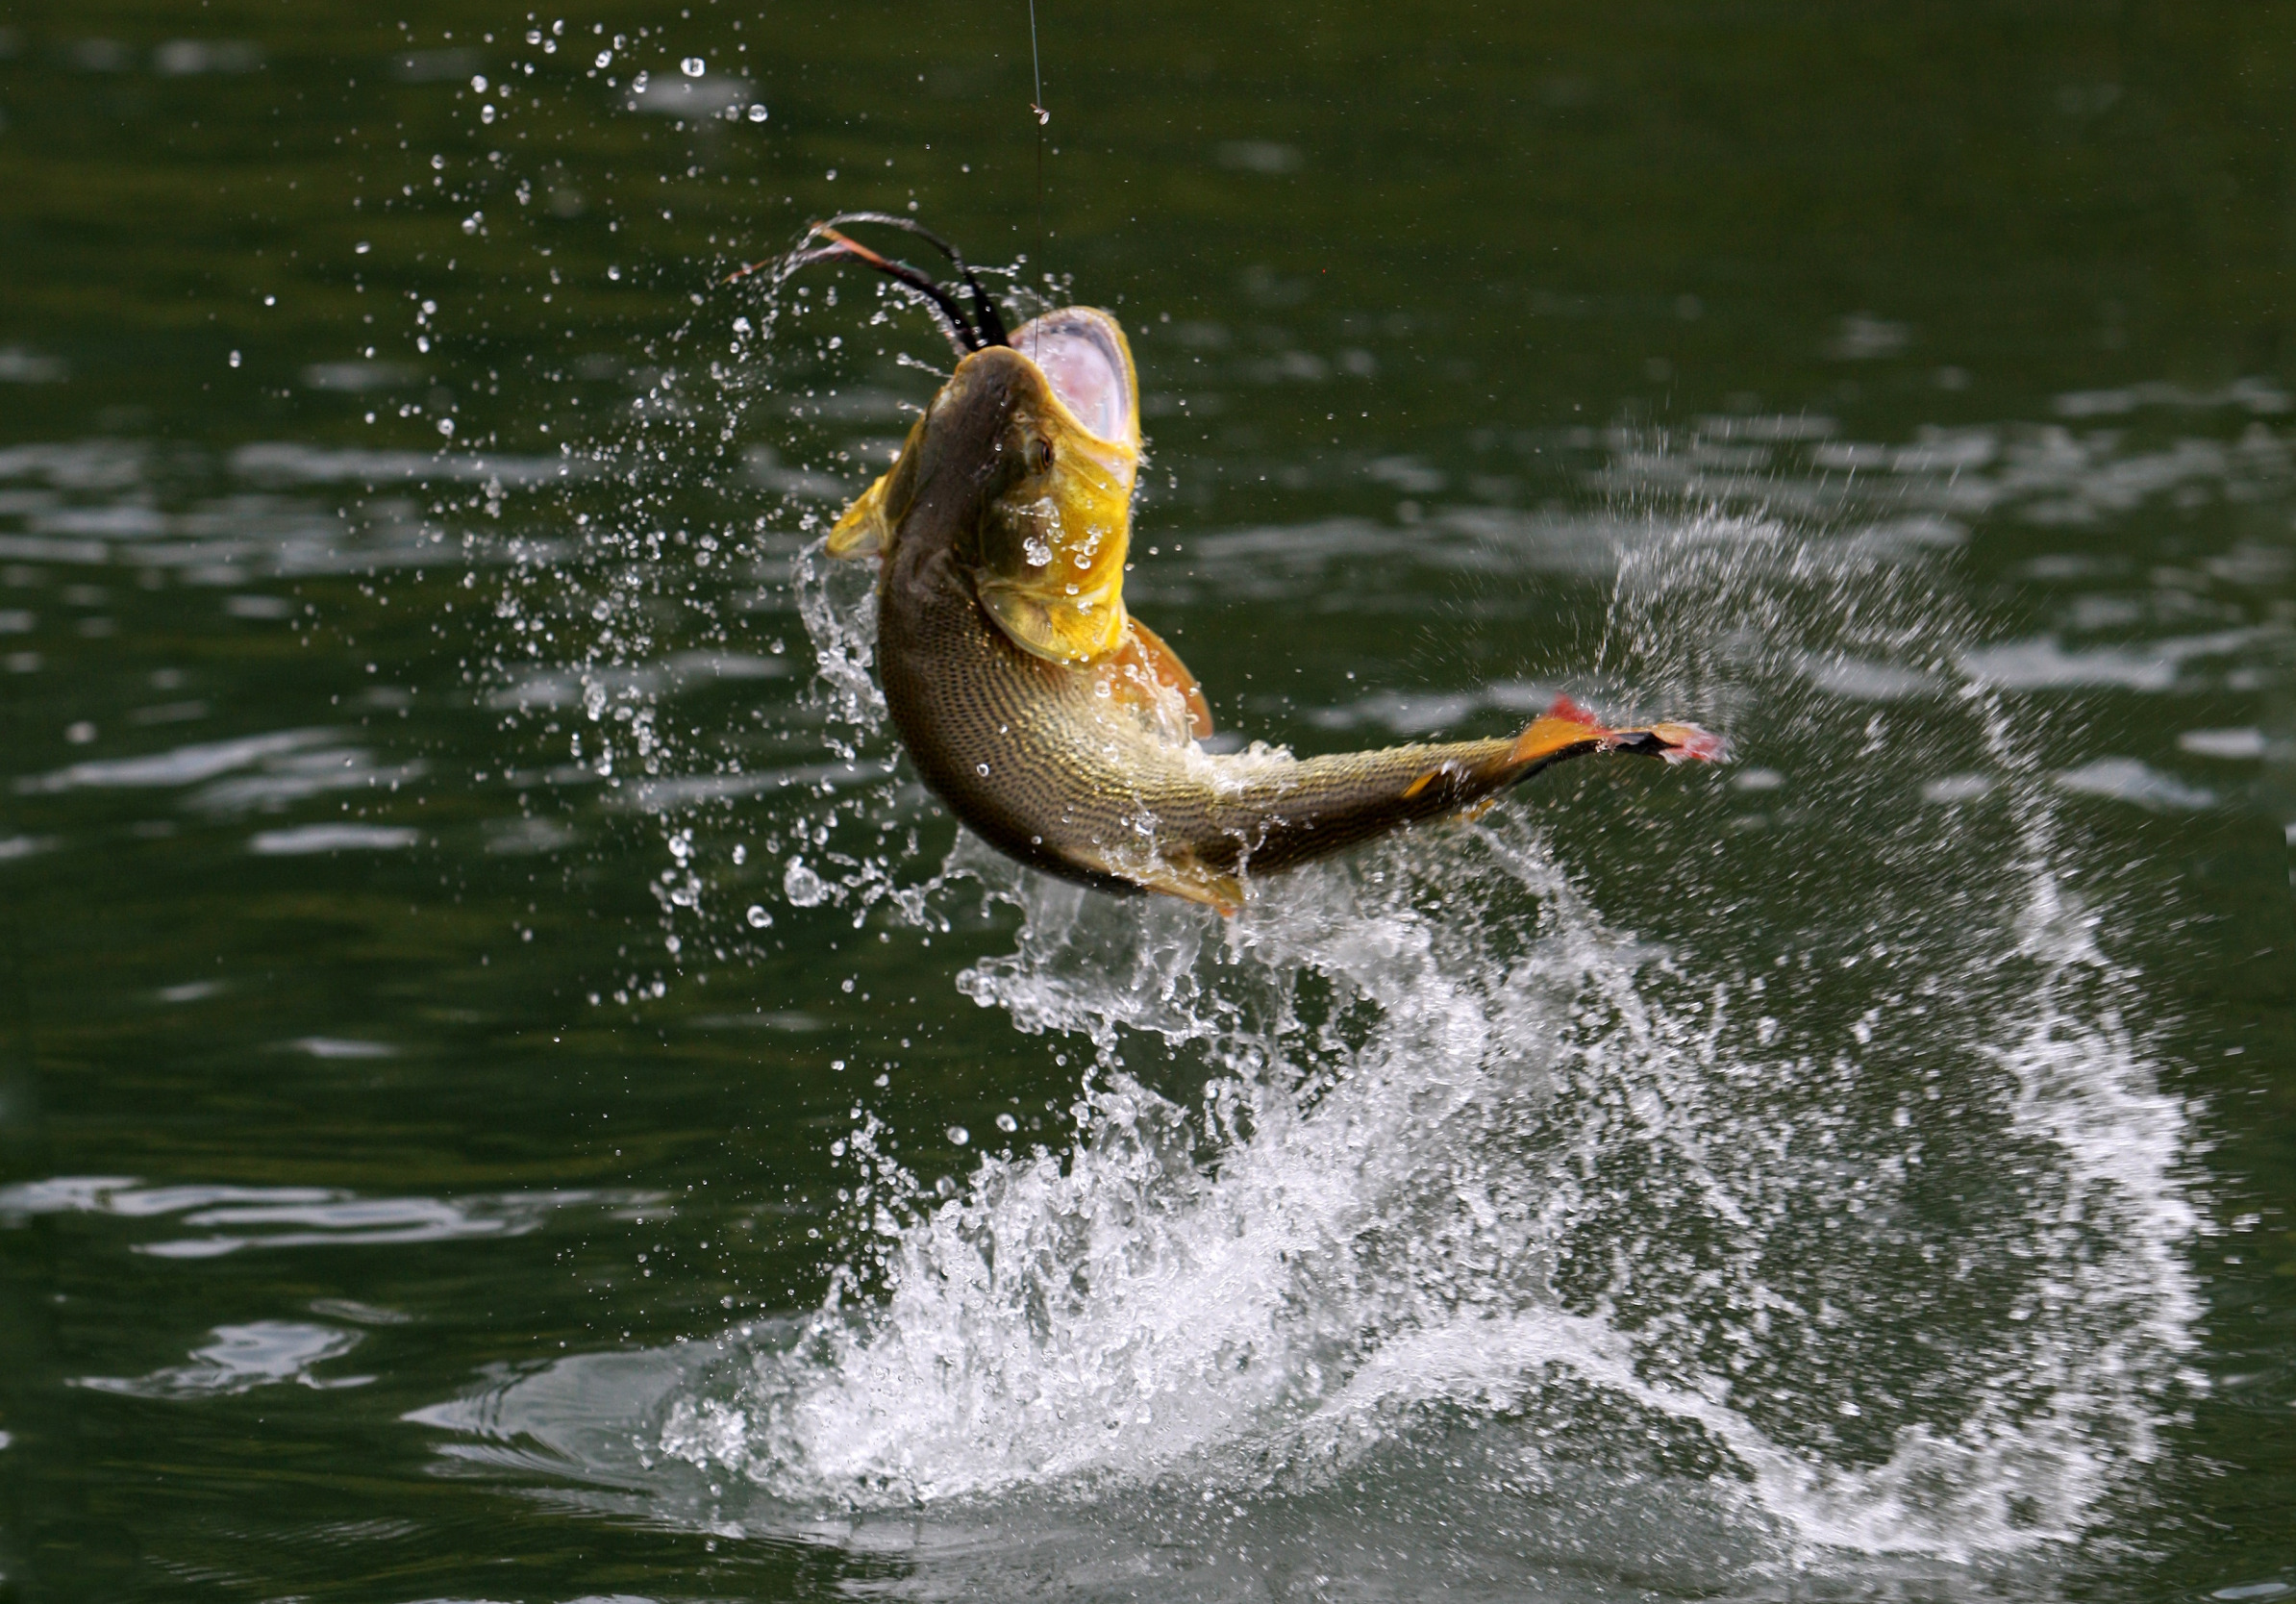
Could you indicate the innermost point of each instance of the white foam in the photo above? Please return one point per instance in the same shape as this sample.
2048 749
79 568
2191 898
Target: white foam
1380 1239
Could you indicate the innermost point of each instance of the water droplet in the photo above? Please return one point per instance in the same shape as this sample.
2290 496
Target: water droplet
959 1135
757 917
802 886
693 66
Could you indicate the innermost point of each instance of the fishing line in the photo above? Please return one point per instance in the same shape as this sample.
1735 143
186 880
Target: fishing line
1036 65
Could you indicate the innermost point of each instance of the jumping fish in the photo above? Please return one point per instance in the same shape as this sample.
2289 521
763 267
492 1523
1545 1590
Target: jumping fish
1053 723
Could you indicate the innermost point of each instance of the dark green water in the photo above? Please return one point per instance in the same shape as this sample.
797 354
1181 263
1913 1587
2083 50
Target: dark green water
510 1090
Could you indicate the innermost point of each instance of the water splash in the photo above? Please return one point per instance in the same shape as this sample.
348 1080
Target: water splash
1863 1237
1503 1168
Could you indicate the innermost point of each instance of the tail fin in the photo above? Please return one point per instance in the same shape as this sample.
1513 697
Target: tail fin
1566 730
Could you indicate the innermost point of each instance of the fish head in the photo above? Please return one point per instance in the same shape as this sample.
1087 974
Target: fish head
1024 466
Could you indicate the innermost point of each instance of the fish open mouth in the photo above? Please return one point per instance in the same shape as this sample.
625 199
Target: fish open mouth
1083 360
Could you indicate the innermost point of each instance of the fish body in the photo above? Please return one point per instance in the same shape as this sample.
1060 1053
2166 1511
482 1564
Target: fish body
1058 727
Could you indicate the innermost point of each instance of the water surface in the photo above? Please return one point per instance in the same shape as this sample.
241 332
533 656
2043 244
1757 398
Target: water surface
512 1091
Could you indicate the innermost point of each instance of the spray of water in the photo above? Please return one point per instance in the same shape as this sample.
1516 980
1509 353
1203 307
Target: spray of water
1862 1232
1775 1173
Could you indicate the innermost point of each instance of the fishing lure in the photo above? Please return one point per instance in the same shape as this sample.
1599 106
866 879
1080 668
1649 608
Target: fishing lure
1052 722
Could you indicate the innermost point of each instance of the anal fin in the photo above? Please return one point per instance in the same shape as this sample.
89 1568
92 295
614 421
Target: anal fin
1177 874
1223 894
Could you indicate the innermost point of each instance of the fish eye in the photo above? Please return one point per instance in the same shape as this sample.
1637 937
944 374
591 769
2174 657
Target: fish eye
1040 455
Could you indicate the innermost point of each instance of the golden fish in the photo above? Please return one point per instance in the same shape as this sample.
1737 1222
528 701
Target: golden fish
1052 722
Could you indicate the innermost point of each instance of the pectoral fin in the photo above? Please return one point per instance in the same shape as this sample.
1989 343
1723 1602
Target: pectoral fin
862 532
1563 730
1192 882
1174 873
1144 653
866 529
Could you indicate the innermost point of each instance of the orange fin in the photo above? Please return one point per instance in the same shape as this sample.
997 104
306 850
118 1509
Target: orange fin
1179 875
1145 651
1441 771
1223 894
1568 729
1561 729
